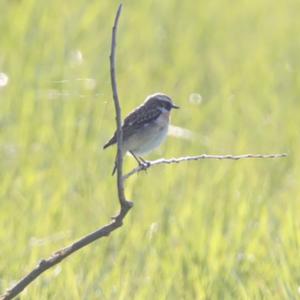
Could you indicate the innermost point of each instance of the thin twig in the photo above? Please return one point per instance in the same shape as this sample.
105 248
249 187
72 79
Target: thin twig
117 221
197 157
125 205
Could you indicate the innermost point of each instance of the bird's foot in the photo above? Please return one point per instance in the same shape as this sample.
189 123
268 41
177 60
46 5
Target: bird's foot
144 165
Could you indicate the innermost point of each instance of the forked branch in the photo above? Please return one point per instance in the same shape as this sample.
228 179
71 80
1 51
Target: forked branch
125 205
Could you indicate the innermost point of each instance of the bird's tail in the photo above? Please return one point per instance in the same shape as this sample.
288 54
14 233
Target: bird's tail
112 141
109 143
114 169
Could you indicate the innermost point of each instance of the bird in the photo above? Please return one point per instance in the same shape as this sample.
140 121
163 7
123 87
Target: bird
145 128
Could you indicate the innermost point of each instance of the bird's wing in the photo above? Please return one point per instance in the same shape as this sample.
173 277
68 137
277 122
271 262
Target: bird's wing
138 119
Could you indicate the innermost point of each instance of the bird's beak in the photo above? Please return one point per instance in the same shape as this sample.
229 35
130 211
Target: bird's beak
175 106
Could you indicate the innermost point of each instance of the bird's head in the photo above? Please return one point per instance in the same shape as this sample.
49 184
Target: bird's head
161 101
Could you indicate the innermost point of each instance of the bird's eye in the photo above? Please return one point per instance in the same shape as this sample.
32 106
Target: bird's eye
168 105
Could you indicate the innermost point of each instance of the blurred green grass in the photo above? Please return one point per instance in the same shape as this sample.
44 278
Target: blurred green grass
203 230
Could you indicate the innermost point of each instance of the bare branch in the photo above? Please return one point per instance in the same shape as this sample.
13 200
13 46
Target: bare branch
198 157
120 184
125 205
117 222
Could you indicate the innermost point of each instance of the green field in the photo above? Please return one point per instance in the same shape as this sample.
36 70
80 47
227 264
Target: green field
198 230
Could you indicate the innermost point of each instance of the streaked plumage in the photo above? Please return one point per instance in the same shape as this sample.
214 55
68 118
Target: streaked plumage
146 127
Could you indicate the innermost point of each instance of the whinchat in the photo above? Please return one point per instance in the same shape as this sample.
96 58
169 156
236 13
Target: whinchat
145 128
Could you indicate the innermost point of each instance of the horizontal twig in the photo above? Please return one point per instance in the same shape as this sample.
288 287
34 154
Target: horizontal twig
161 161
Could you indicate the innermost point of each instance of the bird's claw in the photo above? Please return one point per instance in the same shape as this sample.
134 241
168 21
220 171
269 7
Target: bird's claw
144 165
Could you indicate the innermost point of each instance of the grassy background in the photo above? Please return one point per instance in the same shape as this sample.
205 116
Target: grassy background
203 230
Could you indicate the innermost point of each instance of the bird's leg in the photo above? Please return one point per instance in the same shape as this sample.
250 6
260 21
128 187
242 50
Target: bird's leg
135 157
142 163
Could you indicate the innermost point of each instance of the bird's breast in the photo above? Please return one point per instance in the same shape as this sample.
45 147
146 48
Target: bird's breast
163 119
